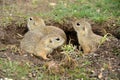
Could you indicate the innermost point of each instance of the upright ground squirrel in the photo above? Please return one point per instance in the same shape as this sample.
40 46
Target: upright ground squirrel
88 40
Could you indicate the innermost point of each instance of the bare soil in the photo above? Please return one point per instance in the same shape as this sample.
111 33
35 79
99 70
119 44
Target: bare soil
108 53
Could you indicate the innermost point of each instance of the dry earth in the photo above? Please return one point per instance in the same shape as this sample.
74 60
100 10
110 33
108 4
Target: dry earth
108 53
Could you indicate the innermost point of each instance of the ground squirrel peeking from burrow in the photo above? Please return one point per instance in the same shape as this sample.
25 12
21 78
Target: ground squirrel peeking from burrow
88 40
38 24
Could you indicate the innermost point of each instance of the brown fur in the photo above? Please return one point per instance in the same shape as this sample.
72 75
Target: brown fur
88 40
36 39
35 22
30 40
38 23
48 44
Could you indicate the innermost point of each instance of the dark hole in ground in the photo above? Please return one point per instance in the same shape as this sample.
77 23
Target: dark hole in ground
72 37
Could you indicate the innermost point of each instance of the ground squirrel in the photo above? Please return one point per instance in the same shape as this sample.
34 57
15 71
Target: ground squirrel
37 23
38 34
88 40
41 46
47 44
31 38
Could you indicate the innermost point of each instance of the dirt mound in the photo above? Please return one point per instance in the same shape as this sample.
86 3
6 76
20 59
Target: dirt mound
106 59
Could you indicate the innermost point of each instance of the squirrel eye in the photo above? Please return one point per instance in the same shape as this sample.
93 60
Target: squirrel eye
57 39
78 24
31 18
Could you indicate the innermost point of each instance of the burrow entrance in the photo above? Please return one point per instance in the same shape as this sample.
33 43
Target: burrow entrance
12 34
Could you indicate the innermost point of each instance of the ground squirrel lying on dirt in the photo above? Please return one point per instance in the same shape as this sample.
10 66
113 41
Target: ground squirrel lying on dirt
88 40
41 46
37 23
47 44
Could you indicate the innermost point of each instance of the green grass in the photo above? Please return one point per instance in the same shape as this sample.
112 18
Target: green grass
104 38
21 70
96 10
18 70
99 11
13 69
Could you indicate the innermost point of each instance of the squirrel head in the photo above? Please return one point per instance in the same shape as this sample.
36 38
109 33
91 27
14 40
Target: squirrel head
35 22
82 27
54 41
